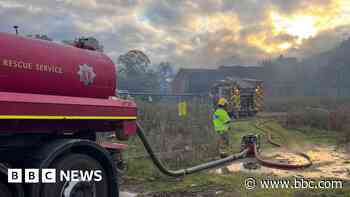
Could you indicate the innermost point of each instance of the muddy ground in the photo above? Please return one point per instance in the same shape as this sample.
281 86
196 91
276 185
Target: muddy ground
328 162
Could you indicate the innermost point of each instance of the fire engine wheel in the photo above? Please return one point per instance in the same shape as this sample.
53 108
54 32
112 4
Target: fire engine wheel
76 188
5 191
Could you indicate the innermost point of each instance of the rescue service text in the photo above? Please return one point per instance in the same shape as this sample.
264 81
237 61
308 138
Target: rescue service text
18 64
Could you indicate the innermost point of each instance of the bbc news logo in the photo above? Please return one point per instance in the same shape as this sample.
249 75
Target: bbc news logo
52 175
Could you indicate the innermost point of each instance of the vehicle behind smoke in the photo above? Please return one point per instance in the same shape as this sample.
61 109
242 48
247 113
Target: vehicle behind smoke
245 96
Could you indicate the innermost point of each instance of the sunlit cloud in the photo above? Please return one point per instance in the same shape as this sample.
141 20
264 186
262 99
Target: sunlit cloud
303 27
285 46
259 41
303 24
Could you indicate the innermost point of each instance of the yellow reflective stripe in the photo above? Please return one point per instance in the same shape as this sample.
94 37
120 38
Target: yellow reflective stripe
68 117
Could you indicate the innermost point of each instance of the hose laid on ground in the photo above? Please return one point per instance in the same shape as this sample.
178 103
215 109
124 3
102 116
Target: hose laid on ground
216 163
186 171
275 164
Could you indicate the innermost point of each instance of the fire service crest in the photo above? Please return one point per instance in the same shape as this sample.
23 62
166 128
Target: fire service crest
87 74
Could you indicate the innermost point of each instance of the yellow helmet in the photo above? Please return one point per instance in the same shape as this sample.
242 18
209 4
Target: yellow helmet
222 101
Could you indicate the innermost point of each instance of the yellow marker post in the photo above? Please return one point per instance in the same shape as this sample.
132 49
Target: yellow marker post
182 108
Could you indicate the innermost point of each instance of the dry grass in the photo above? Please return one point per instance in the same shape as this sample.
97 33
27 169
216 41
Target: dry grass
286 104
179 140
327 113
337 120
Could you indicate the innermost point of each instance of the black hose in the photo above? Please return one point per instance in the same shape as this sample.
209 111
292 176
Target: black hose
186 171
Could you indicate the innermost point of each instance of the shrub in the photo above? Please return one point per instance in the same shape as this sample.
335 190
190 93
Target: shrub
179 140
287 104
337 120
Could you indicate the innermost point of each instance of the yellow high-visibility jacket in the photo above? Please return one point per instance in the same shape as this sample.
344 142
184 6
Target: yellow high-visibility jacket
221 120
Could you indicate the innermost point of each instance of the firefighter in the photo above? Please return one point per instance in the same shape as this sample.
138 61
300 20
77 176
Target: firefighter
221 121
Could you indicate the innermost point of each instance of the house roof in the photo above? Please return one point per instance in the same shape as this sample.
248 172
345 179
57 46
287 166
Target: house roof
194 70
220 70
202 79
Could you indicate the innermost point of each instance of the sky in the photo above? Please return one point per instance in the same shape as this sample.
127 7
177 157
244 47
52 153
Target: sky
188 33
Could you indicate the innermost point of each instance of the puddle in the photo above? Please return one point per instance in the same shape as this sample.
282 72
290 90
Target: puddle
327 163
127 194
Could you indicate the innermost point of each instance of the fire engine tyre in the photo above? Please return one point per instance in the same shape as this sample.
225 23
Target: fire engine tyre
5 191
77 188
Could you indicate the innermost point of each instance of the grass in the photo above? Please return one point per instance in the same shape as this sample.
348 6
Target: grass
285 104
317 136
144 173
230 185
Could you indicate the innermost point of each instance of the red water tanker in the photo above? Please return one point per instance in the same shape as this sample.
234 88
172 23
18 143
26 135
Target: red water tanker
54 98
42 67
42 80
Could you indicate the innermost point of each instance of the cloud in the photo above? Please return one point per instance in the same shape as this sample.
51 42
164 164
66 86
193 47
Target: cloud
290 6
323 42
189 33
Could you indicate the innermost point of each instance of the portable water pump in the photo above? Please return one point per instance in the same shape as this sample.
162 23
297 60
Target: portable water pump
249 142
